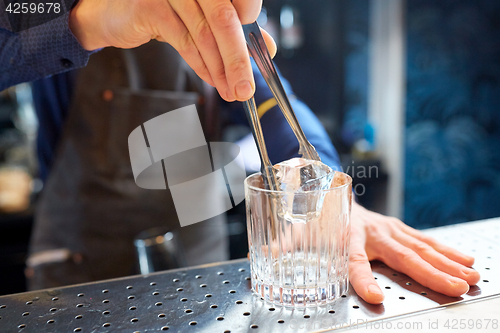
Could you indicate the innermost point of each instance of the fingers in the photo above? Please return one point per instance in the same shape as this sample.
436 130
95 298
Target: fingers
407 261
436 259
226 28
199 44
270 43
360 274
248 11
449 252
185 44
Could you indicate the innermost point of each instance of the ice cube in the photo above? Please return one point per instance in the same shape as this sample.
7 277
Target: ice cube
297 177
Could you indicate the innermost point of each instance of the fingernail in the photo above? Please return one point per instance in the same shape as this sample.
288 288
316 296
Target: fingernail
373 289
243 90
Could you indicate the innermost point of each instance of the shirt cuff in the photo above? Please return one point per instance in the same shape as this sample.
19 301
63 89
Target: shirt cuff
51 48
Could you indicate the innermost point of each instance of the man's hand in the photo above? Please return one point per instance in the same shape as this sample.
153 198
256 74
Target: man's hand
378 237
206 33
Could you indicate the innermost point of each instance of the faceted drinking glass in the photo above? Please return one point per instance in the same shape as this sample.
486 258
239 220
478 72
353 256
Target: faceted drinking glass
299 259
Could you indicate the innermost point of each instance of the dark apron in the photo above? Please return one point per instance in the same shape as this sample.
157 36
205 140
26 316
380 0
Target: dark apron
91 209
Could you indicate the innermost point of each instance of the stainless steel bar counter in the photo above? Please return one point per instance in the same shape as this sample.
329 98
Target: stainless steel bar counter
218 298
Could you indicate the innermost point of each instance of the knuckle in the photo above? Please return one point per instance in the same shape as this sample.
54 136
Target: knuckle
358 258
219 74
204 33
238 66
224 15
186 44
405 256
421 247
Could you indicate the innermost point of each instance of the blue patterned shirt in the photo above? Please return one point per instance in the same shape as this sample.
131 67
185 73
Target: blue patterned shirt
38 51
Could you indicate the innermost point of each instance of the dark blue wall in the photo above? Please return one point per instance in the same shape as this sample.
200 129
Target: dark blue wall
452 171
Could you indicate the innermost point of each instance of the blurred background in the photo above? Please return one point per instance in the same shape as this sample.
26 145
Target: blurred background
409 92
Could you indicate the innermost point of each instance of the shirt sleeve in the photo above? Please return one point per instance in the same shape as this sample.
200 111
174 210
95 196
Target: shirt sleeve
280 140
37 52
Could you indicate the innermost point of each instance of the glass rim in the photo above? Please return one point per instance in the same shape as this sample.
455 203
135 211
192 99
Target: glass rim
340 187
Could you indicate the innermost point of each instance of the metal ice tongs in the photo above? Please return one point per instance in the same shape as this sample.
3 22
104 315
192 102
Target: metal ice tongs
258 49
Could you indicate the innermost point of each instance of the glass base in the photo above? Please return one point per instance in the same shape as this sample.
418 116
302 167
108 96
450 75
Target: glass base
300 297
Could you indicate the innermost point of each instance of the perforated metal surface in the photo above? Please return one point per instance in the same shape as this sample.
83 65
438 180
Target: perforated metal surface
218 298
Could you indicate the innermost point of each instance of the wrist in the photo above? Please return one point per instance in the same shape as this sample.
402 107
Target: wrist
86 25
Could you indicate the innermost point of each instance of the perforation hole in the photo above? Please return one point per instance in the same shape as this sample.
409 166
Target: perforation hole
161 315
220 318
131 297
188 311
184 299
79 305
248 278
105 301
165 328
208 295
387 287
232 291
179 289
203 285
241 269
106 325
55 298
192 323
307 316
408 283
401 297
50 321
78 317
78 329
53 310
394 274
487 268
423 293
26 314
246 313
331 311
225 281
155 293
220 273
343 296
132 308
21 326
272 309
227 331
152 283
198 276
281 321
176 280
486 280
239 302
104 291
158 303
80 295
355 306
29 302
254 326
213 306
134 320
3 306
130 287
106 312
